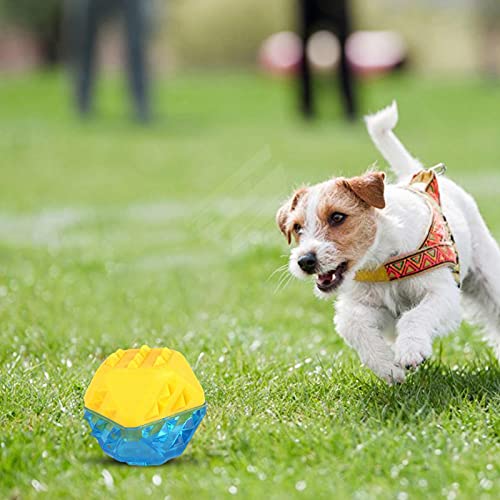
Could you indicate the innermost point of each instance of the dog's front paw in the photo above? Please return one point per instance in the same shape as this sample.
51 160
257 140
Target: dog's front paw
412 352
390 372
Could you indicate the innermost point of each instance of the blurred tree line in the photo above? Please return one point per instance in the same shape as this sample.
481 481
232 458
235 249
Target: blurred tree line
223 32
199 32
442 34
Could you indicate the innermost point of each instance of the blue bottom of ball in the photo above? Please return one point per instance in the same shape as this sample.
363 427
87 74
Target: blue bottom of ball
150 444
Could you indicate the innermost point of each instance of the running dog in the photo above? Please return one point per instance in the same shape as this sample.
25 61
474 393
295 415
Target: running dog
405 260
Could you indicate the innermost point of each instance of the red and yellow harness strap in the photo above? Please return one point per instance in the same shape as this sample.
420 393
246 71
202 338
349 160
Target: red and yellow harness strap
438 248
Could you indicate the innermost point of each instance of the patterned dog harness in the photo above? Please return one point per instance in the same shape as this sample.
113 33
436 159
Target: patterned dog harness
438 248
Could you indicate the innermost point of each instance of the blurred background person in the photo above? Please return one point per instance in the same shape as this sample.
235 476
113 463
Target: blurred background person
299 40
85 18
333 16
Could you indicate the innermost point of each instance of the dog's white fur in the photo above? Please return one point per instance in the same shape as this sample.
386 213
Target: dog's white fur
392 325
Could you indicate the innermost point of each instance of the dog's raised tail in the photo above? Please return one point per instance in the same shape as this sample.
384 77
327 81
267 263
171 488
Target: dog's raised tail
380 127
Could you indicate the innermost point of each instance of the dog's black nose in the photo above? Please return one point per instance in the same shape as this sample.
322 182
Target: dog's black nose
308 262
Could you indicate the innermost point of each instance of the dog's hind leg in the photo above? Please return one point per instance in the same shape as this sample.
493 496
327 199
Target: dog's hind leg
481 287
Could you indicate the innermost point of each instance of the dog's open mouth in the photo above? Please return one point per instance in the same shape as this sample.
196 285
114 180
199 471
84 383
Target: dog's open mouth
331 280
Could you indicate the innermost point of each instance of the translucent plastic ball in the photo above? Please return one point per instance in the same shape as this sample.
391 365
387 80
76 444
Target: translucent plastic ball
144 405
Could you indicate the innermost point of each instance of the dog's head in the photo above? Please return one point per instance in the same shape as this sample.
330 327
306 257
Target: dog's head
334 225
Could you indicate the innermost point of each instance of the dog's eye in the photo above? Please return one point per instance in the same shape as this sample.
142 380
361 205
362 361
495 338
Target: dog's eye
297 229
336 218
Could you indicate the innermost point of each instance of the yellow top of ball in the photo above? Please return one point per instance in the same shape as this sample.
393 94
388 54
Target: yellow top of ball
134 387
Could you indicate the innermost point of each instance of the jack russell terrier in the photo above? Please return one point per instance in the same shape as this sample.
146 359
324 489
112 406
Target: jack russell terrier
404 259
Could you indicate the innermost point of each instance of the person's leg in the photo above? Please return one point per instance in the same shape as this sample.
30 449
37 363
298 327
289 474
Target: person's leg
86 19
345 74
305 77
306 91
346 82
136 34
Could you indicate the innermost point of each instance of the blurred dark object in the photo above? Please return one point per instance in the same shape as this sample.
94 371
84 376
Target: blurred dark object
43 19
86 18
334 16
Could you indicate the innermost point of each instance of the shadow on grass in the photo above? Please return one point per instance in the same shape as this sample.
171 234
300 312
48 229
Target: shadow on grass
435 389
106 461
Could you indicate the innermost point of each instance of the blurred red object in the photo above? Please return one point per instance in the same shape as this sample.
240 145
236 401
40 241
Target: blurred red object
370 52
281 53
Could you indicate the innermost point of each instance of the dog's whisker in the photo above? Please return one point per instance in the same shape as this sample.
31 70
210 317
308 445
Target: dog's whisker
280 271
280 283
282 268
282 279
287 282
283 284
285 274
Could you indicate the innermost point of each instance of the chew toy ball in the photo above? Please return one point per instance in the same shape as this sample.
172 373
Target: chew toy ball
144 405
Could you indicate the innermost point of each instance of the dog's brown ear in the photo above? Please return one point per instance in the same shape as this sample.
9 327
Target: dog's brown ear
284 212
281 220
369 187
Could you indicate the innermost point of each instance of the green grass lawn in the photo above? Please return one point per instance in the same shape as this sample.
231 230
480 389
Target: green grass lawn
113 235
